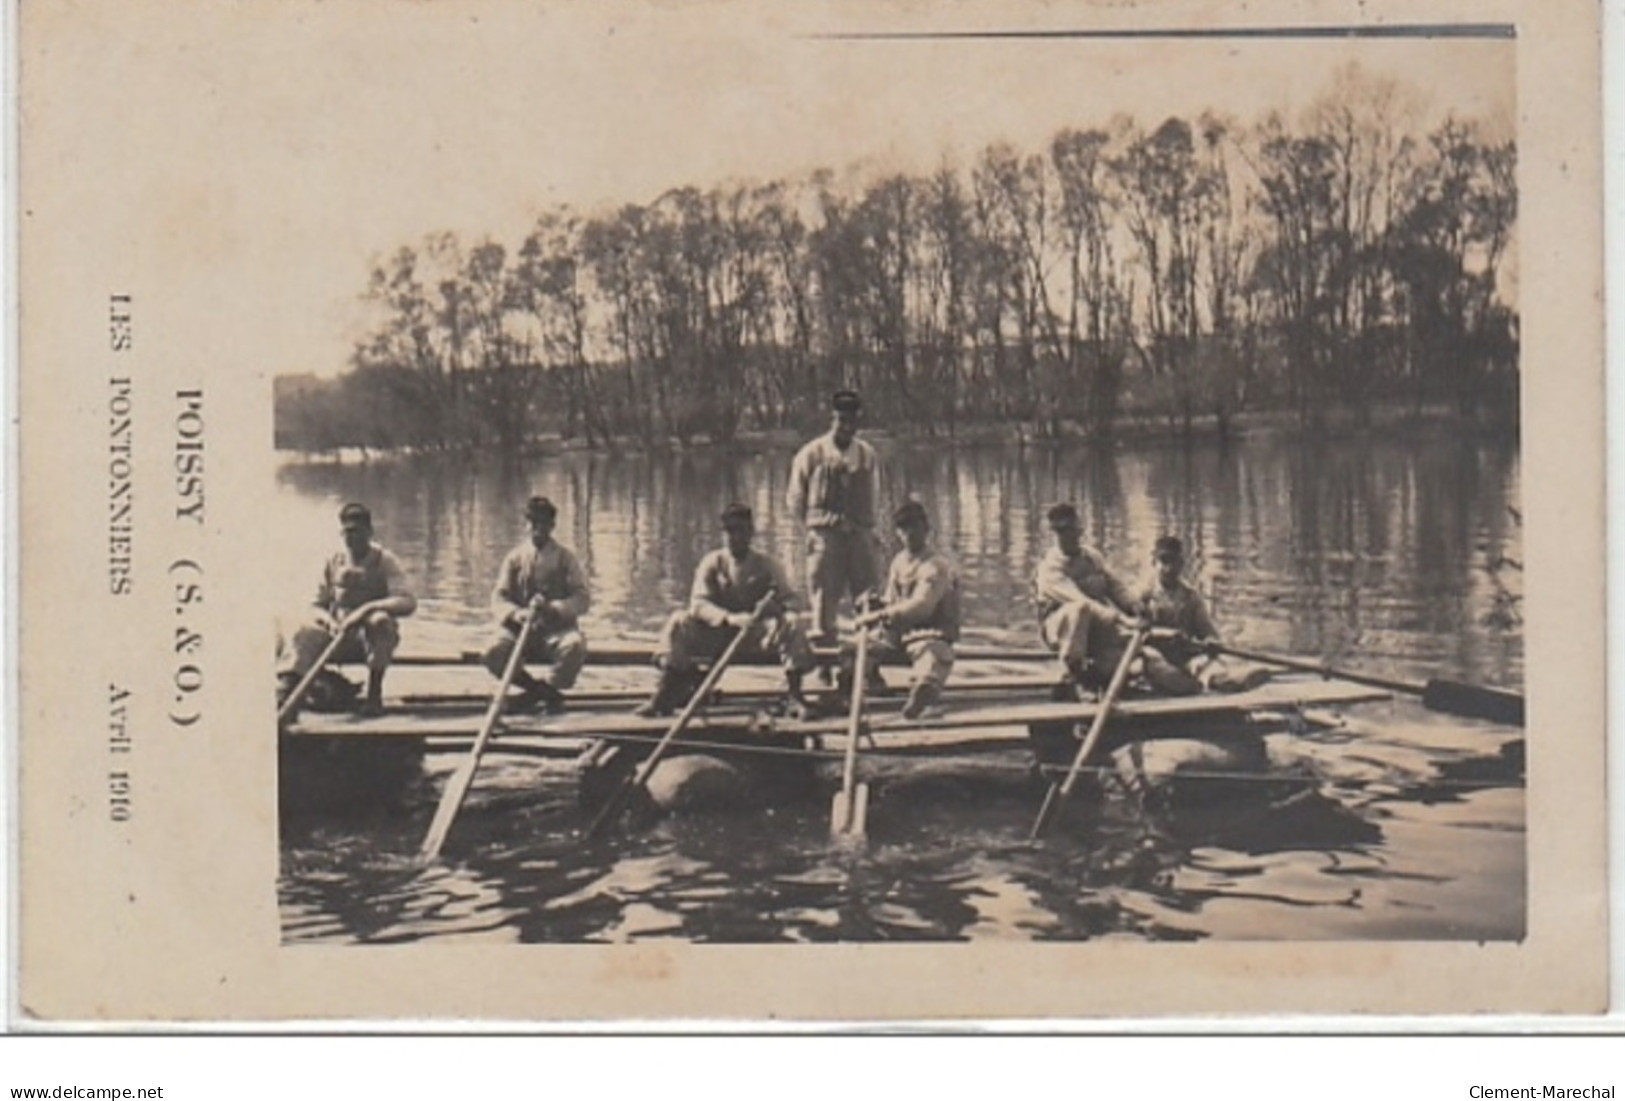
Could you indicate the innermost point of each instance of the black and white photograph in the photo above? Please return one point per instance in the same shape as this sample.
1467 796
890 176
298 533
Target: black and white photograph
709 510
1097 519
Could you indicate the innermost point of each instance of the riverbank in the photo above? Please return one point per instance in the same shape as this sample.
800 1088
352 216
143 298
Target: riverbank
1385 421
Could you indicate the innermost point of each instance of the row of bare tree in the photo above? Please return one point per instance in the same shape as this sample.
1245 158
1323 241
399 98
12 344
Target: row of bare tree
1191 271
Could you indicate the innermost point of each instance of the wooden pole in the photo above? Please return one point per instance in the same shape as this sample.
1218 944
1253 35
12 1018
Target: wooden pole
451 800
1452 697
850 804
291 704
613 804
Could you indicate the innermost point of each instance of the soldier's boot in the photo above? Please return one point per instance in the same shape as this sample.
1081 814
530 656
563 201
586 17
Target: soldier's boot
550 699
668 695
372 705
922 698
796 708
1088 678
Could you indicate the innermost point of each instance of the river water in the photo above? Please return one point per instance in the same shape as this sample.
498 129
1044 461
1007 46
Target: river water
1398 556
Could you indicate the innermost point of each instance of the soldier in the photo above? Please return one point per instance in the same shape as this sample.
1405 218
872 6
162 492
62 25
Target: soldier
728 585
834 486
362 587
540 579
919 611
1083 608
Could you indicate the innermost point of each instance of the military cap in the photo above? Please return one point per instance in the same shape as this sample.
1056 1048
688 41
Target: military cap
737 515
845 401
910 513
540 508
1168 546
1062 515
355 512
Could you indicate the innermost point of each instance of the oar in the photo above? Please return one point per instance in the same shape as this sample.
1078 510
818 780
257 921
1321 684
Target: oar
291 704
1452 697
617 798
850 807
1058 793
451 800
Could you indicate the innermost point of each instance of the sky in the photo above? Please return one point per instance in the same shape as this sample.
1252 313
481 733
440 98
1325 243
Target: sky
279 149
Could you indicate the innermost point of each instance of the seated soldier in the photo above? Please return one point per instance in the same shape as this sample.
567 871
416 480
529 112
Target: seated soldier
1177 653
1083 609
361 594
919 612
540 578
728 585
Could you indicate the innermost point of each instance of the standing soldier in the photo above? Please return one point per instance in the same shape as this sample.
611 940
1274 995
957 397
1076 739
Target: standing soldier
1082 606
540 579
362 586
919 610
728 585
834 485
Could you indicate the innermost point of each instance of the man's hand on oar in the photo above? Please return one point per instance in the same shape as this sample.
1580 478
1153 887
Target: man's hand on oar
539 611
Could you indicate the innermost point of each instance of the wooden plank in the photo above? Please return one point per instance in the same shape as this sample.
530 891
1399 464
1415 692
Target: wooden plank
622 654
1274 695
530 745
897 743
600 699
1271 697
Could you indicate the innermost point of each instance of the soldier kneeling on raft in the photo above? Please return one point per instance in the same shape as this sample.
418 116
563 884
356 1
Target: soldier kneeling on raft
918 613
1180 654
728 585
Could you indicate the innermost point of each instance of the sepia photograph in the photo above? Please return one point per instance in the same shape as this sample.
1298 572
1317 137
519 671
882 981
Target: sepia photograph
609 487
1102 520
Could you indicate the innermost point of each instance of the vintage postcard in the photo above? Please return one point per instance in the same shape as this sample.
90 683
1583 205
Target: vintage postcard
833 512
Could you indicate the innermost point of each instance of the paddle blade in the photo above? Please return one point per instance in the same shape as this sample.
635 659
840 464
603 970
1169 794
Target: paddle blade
849 815
1495 705
450 801
840 813
611 810
1046 812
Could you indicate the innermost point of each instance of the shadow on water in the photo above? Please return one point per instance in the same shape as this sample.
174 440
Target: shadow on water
947 858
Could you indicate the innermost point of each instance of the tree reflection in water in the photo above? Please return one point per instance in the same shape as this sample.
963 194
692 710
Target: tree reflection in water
1394 556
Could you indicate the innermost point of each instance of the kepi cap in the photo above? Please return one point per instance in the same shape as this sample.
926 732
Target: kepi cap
909 514
1062 515
737 515
845 401
540 508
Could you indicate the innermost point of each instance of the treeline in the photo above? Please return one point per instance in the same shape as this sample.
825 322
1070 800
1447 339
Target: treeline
1190 271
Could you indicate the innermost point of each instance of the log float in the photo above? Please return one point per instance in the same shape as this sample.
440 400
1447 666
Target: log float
735 733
